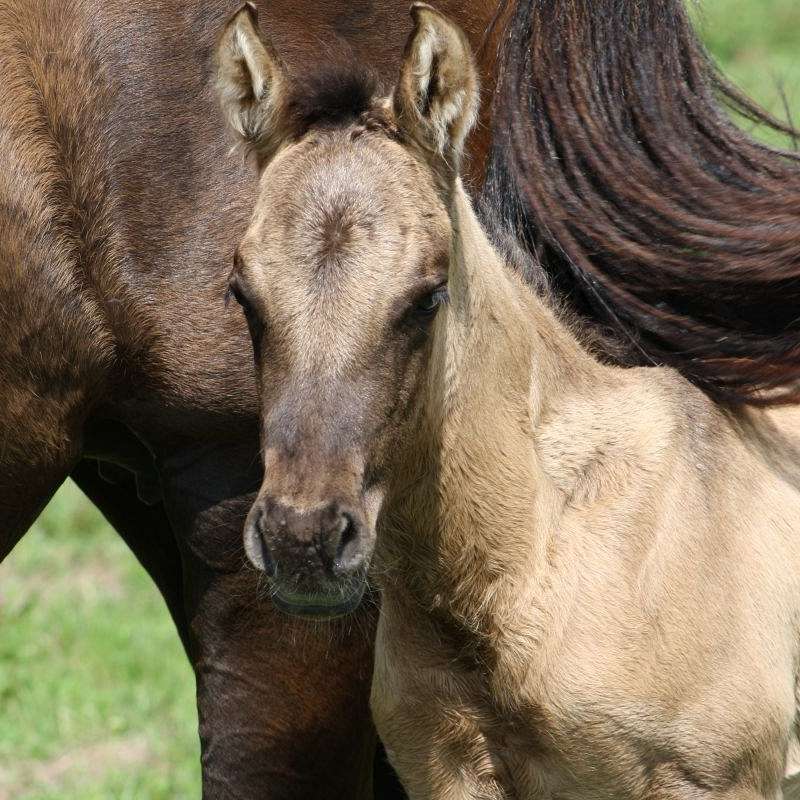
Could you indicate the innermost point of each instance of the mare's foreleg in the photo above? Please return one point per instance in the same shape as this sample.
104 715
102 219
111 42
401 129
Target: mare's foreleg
283 703
39 444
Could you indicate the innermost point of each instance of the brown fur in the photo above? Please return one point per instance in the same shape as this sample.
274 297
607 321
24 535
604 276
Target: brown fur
615 162
589 574
336 95
120 211
120 208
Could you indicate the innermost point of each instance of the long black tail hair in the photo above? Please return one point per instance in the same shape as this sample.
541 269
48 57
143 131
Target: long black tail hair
617 165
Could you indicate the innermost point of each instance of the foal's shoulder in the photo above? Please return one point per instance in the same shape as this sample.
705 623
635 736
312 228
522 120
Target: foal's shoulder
626 430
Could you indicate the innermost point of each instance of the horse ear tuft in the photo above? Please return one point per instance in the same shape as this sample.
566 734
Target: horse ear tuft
436 99
253 10
251 84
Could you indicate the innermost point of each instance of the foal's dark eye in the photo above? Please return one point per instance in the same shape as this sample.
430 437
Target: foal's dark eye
428 304
235 292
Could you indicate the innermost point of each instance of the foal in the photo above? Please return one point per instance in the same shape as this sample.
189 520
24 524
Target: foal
589 574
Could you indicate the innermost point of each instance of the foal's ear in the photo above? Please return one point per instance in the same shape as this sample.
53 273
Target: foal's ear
252 84
436 100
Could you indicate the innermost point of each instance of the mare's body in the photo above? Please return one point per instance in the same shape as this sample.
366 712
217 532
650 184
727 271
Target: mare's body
121 206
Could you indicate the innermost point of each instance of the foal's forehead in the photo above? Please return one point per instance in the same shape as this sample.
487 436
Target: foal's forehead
345 198
347 225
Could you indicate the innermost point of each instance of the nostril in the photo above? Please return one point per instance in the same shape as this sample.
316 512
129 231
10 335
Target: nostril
347 552
347 530
267 561
266 557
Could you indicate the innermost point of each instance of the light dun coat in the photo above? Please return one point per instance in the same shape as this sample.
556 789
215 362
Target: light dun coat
590 575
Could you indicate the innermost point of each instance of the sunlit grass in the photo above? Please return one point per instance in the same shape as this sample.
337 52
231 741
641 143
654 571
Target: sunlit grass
96 696
757 42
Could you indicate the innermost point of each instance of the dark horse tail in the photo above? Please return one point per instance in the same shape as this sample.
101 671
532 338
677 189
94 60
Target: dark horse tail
618 168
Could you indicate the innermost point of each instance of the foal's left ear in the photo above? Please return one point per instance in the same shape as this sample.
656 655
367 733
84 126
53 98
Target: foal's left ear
252 84
436 100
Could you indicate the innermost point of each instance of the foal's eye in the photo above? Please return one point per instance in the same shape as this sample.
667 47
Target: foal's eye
235 292
429 303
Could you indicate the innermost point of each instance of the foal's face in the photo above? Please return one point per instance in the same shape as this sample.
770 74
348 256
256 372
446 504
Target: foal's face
341 274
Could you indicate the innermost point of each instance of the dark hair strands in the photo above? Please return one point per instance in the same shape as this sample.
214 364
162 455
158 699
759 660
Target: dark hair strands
619 170
336 95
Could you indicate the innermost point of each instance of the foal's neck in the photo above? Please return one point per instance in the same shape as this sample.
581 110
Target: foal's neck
478 525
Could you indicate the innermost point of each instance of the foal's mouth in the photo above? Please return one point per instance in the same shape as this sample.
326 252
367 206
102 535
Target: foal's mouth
326 602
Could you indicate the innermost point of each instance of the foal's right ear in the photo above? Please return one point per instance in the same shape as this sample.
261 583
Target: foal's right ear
436 99
252 84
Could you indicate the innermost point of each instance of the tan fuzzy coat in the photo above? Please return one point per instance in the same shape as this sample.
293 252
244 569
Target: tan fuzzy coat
596 593
590 574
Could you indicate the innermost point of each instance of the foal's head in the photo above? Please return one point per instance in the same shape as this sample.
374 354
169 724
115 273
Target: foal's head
340 275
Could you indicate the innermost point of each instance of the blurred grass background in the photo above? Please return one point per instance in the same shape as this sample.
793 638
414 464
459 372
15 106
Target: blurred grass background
757 43
96 697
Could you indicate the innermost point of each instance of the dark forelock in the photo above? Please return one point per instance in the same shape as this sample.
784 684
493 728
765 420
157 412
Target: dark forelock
333 95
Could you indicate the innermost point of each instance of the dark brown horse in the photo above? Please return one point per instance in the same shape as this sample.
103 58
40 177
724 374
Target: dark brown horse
120 216
121 207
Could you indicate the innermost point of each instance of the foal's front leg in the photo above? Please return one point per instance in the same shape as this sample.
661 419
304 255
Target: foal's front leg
438 754
427 770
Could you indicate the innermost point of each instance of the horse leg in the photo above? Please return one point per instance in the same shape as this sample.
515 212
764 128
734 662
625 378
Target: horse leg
147 532
54 353
37 451
436 758
283 703
24 496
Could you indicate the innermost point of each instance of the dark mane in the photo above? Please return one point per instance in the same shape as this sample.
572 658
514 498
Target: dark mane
333 95
617 167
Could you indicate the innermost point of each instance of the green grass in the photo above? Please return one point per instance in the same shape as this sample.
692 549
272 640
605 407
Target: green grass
96 697
757 42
